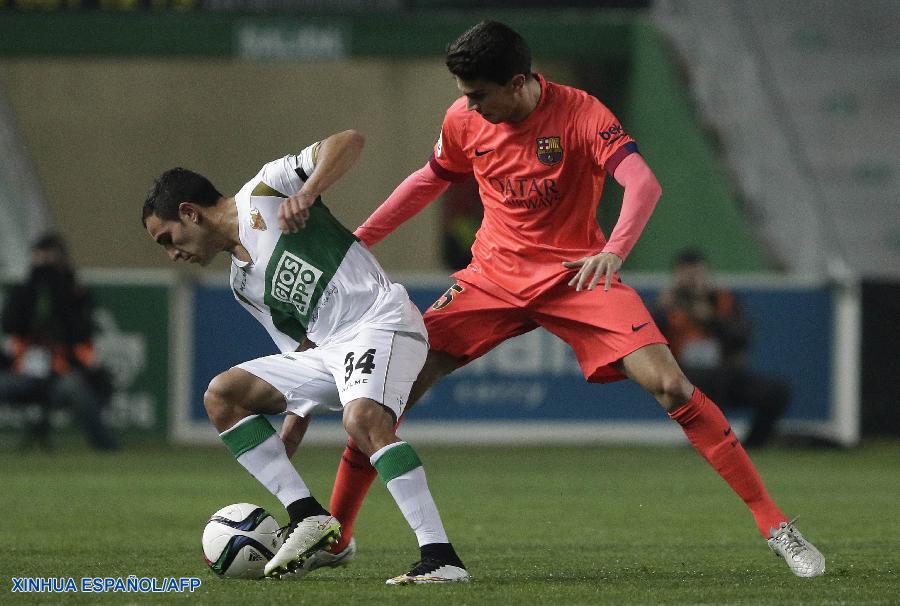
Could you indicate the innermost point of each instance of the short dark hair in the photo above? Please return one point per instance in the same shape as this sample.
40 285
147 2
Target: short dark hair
51 241
175 186
490 51
690 256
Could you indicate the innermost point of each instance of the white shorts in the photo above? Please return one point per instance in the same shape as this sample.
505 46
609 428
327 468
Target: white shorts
377 364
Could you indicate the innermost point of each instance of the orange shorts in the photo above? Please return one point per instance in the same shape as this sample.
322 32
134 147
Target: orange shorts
601 327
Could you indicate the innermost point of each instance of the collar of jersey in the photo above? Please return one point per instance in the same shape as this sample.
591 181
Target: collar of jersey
242 229
537 108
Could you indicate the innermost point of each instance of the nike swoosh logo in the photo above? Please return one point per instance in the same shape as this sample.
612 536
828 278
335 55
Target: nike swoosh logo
637 327
481 152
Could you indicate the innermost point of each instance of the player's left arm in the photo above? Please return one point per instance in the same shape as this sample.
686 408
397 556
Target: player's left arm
332 157
642 190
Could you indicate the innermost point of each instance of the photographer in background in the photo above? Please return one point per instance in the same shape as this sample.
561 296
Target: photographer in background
48 321
709 336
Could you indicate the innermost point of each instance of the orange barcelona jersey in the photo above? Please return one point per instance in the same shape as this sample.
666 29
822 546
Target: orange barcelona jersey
540 182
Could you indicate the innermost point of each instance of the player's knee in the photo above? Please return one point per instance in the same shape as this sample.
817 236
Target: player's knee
353 424
358 423
218 397
369 425
672 389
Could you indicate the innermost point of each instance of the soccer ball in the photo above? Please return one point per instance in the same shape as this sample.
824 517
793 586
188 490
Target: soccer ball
239 539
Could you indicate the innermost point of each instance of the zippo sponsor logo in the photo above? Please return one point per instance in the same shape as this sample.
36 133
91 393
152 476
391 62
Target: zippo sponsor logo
295 281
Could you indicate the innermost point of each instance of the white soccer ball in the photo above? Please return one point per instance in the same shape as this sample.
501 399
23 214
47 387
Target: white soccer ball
239 539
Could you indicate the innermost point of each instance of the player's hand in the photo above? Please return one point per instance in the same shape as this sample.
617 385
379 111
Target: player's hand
294 212
592 268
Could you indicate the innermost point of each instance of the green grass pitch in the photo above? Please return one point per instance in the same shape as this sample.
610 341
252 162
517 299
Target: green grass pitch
535 525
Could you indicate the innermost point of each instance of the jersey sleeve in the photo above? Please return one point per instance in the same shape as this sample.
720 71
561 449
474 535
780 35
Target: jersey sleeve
608 142
448 160
288 174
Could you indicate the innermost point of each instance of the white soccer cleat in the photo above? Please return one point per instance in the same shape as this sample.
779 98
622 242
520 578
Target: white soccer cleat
324 559
431 570
801 556
304 539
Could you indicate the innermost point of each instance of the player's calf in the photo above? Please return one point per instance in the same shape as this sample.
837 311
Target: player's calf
401 470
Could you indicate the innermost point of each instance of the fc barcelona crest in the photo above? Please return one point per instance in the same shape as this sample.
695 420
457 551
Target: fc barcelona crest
549 150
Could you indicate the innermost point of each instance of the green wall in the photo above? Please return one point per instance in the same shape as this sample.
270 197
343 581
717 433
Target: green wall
699 207
105 102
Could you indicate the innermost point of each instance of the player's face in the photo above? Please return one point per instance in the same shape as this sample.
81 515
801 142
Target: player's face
495 103
183 240
694 276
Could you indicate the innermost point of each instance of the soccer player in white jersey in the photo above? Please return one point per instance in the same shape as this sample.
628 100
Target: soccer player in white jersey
320 286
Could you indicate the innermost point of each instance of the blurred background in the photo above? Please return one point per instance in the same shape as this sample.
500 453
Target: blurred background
772 127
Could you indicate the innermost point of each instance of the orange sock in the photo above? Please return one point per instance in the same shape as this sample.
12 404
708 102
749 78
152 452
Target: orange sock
351 484
711 435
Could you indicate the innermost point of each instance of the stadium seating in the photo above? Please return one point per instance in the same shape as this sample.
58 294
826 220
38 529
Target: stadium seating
804 96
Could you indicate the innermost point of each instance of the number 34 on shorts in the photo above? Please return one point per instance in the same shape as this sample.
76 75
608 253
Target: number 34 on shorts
379 365
362 365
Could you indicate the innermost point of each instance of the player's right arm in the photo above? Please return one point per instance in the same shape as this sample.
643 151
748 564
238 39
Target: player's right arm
447 163
332 157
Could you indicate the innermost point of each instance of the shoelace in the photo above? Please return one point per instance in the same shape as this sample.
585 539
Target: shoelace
787 537
283 531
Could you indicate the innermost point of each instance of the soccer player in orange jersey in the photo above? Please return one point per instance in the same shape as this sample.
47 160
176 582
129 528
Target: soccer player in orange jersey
540 152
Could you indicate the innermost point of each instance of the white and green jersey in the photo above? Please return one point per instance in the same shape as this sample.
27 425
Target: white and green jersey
321 282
